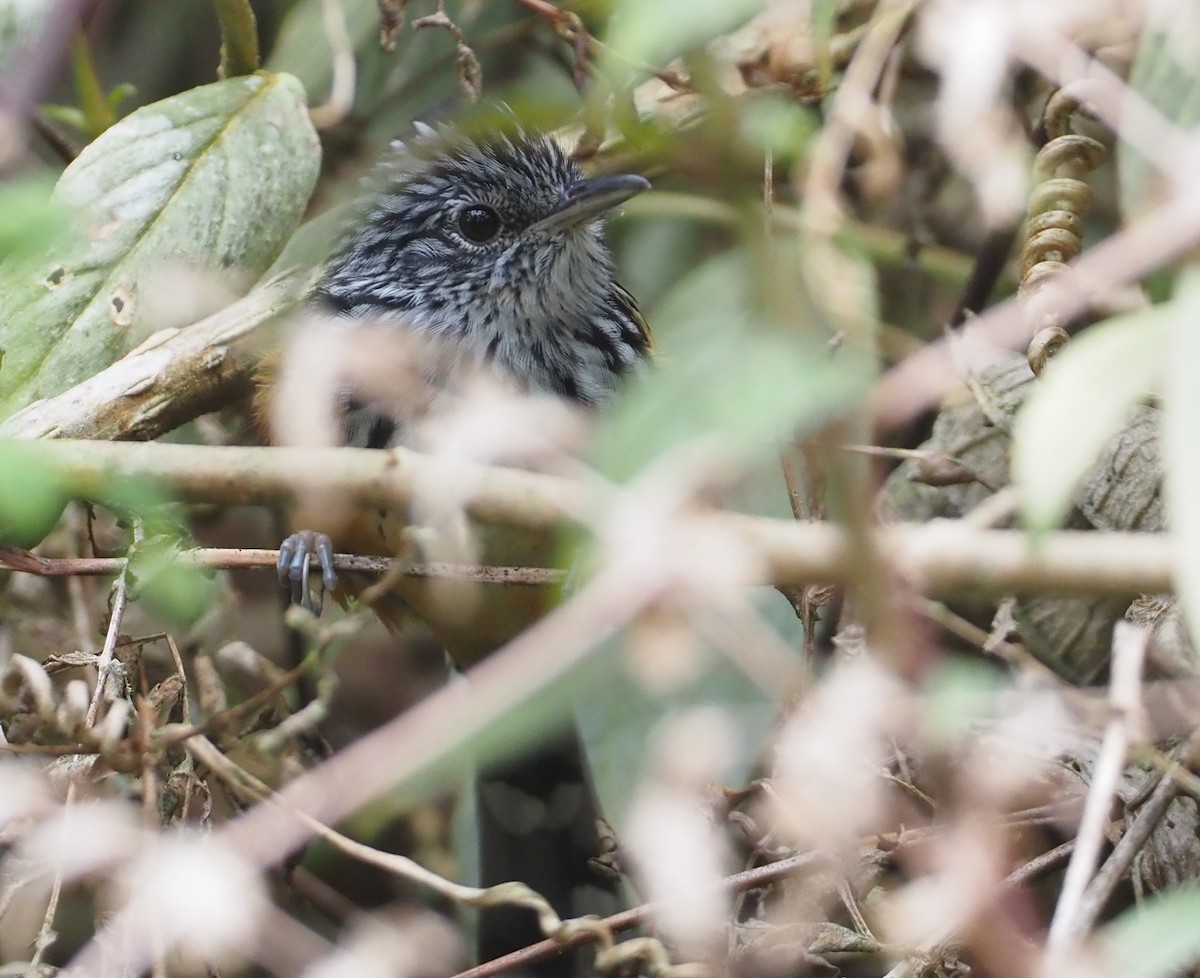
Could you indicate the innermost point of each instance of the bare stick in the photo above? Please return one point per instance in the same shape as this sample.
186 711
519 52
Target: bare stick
173 377
105 660
1096 897
1129 651
216 558
942 557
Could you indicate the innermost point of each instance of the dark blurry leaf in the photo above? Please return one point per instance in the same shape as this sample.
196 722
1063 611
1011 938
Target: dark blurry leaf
214 180
722 372
1081 401
657 32
618 714
1166 73
32 221
1181 425
32 495
20 22
1157 939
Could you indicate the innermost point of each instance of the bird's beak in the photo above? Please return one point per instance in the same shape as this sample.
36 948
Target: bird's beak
585 200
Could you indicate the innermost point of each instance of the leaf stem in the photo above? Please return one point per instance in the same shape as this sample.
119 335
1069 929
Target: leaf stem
239 38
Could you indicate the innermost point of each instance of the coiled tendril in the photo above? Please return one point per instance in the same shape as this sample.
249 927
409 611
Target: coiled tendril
1061 198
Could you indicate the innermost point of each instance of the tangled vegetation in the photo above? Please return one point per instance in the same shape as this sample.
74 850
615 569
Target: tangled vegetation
878 591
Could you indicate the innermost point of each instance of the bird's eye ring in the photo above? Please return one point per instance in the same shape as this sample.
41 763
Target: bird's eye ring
478 223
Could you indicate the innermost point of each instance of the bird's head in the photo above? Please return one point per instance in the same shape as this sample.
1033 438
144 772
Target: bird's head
505 226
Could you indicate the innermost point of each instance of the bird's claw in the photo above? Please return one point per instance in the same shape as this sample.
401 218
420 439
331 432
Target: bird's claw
295 560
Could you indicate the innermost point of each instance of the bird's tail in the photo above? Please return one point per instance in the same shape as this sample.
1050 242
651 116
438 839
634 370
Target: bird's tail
538 823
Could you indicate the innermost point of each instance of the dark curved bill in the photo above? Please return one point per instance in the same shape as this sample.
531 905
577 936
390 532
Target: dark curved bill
586 200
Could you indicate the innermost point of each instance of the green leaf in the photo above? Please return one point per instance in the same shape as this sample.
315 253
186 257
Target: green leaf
32 495
1166 73
1080 402
959 693
177 592
1181 461
664 29
1157 939
780 126
618 713
98 112
32 221
214 180
722 371
67 116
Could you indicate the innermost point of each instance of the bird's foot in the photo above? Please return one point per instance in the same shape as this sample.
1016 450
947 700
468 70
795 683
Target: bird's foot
295 560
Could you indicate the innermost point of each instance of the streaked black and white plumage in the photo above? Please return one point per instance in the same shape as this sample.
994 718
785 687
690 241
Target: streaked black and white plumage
492 251
495 247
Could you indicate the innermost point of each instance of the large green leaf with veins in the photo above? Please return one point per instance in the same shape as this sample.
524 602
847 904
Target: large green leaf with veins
213 181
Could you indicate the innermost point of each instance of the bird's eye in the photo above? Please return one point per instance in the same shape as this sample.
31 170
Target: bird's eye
478 223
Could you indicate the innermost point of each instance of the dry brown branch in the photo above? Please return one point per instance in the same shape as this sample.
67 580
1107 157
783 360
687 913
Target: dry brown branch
560 932
356 477
437 726
175 376
1135 837
442 723
225 559
104 662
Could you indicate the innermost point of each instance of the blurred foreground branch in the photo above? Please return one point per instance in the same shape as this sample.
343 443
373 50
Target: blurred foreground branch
939 557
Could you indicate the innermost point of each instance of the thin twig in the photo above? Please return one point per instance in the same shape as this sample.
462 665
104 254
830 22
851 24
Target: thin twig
343 68
441 723
172 734
748 880
1129 650
81 612
1098 893
105 660
917 960
46 934
182 673
510 893
241 559
1039 866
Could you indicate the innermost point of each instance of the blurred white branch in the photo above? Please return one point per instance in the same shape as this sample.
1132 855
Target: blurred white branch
938 558
1125 727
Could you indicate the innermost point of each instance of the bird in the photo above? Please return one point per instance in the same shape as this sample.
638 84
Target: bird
485 254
